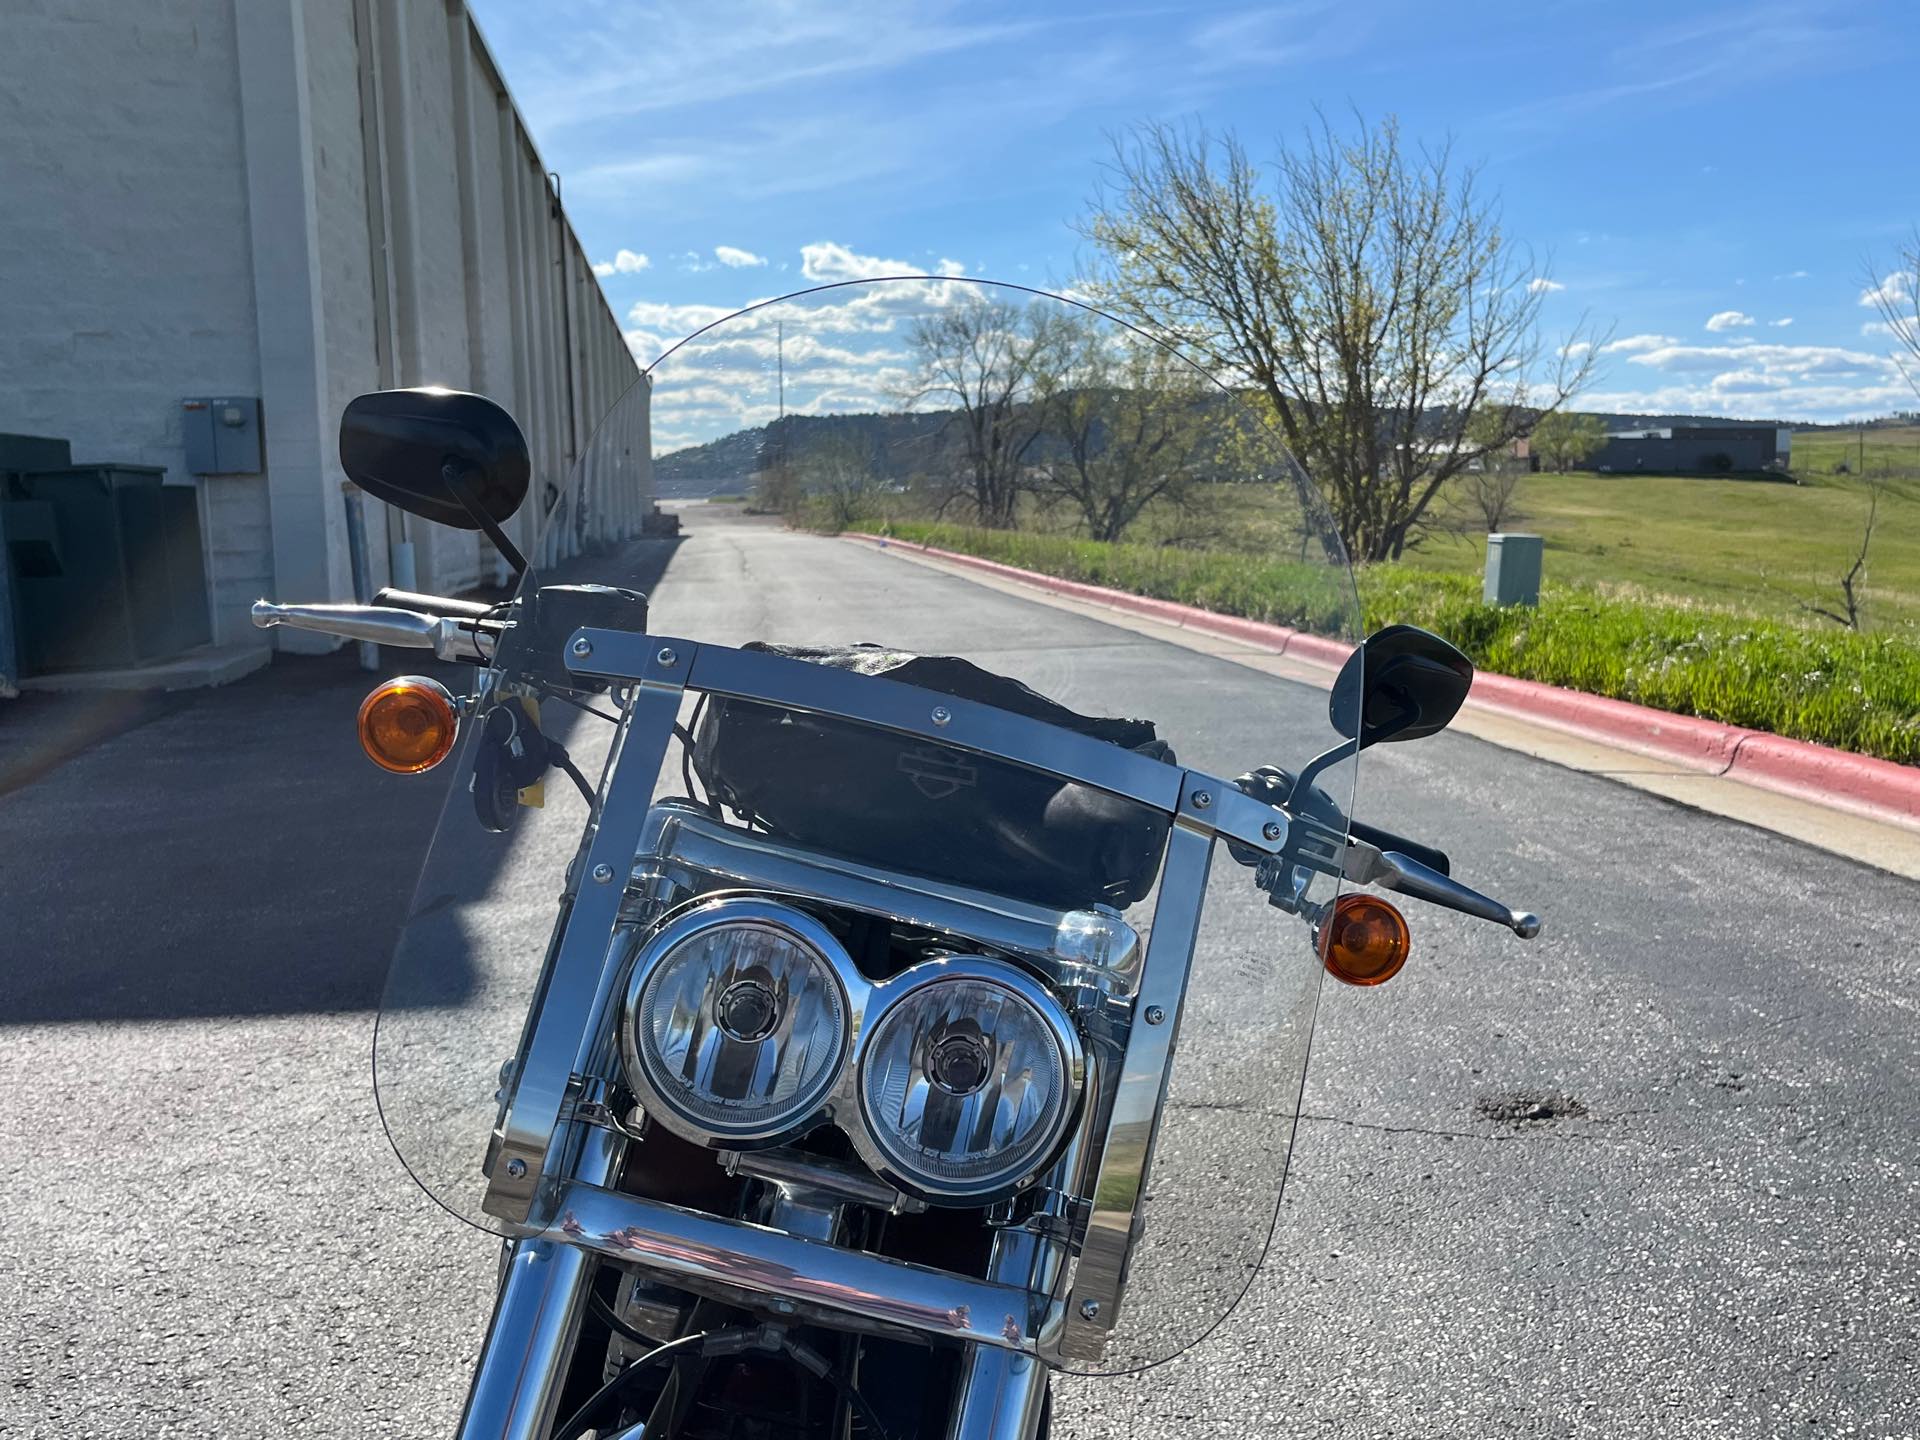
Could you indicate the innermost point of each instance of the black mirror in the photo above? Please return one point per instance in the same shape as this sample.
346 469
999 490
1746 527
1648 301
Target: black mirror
1415 684
444 455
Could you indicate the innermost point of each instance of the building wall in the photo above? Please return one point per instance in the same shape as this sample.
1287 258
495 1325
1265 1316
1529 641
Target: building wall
1691 449
125 264
304 200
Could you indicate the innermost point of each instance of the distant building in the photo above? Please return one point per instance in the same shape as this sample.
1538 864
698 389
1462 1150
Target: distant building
1694 450
226 218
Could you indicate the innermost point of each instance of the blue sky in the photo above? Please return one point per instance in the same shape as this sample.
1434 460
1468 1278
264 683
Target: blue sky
1710 181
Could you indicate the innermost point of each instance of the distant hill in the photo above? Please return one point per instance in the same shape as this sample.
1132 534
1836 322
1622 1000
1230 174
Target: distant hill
729 466
903 443
1661 422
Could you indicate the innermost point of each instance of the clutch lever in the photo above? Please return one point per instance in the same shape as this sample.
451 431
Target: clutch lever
1390 870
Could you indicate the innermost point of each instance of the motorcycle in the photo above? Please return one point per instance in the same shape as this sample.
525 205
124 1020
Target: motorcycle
904 1037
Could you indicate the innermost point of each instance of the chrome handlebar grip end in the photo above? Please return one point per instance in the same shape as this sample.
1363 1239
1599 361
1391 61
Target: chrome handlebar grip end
379 623
1391 870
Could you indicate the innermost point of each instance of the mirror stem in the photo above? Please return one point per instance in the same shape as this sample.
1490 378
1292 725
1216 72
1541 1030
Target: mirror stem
454 476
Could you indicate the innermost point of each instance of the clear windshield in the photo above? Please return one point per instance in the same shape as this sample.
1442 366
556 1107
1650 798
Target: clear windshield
838 462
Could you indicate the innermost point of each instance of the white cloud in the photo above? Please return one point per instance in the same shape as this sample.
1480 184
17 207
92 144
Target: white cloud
1632 344
1754 378
1540 284
1728 320
735 258
825 262
1792 275
1906 331
1894 289
1782 322
624 262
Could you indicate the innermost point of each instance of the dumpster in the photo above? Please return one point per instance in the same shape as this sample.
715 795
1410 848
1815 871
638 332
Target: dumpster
106 567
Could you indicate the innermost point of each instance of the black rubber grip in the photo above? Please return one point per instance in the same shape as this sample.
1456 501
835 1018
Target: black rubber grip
1386 840
434 604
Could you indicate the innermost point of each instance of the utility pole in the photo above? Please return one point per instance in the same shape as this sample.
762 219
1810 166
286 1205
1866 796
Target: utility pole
780 353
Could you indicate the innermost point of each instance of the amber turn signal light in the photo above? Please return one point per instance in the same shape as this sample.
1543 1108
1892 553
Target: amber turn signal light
1364 941
408 724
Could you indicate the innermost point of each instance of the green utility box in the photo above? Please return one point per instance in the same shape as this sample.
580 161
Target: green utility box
1513 570
106 567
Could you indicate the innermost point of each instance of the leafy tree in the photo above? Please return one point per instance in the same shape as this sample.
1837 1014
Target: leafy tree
1370 296
1125 426
839 472
1564 440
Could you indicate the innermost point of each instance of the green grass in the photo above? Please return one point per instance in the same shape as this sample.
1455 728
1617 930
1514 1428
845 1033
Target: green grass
1886 448
1768 549
1856 691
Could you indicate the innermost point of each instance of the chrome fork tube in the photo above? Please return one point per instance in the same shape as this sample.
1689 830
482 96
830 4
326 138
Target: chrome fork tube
536 1322
1000 1393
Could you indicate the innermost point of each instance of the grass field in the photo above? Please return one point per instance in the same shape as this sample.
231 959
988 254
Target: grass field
1762 547
1768 549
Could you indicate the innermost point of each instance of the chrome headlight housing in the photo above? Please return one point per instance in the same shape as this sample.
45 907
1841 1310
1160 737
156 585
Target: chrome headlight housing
968 1079
737 1021
747 1023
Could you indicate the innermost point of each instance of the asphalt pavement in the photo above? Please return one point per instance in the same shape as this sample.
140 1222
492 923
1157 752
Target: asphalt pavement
1653 1174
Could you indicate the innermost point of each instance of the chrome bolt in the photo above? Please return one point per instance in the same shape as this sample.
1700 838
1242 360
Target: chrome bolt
1155 1015
1202 799
603 873
516 1168
667 655
1271 829
941 715
583 647
1089 1309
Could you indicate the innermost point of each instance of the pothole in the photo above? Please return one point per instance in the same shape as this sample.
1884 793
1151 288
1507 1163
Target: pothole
1523 1108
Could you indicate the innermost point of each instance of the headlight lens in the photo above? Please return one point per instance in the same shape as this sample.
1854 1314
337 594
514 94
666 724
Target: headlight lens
738 1027
966 1084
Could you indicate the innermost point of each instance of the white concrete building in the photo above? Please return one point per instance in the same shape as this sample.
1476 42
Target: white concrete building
295 200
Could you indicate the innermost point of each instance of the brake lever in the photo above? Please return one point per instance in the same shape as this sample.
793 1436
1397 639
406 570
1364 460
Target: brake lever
1390 870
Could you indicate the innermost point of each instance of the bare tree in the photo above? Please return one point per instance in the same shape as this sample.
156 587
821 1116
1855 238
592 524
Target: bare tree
1487 498
1853 583
1124 426
980 358
1486 495
1897 297
1372 299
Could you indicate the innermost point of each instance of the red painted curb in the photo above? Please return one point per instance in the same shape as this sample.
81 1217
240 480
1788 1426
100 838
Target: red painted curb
1877 789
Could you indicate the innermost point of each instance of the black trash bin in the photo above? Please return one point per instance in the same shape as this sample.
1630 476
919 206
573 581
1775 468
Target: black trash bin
107 567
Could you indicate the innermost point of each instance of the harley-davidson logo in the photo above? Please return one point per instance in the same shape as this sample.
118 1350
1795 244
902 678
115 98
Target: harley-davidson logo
937 772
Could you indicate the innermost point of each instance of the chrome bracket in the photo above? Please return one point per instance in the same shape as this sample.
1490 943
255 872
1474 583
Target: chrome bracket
1051 1214
568 1038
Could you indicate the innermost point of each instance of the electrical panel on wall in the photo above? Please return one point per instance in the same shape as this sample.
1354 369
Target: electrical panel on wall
222 435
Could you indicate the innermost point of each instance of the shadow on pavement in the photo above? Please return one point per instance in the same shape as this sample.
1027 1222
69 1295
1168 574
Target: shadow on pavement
231 852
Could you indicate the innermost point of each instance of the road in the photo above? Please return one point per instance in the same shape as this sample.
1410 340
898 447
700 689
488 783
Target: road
1709 1232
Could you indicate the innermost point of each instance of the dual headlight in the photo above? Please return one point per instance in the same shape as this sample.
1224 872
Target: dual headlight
747 1023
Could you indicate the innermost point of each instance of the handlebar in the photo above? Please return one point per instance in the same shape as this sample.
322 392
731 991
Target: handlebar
1386 840
454 638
